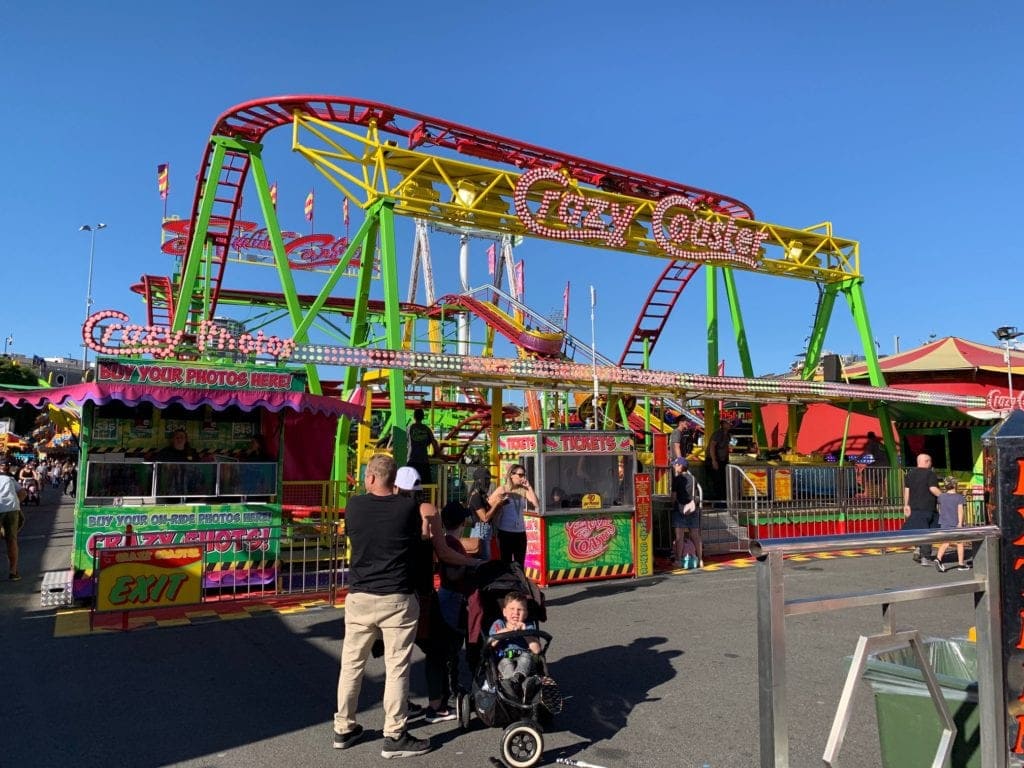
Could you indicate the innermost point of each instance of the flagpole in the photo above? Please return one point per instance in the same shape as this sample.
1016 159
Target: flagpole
593 347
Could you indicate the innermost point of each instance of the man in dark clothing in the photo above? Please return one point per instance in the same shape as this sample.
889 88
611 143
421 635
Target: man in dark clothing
680 442
383 530
716 459
421 441
920 490
178 449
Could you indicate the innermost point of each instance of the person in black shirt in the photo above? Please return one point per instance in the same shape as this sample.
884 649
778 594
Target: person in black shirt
920 490
178 450
383 530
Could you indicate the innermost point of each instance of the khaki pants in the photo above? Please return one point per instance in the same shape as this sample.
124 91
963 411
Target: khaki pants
393 617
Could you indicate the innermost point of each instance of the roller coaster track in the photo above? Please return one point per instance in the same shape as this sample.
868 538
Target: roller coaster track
252 120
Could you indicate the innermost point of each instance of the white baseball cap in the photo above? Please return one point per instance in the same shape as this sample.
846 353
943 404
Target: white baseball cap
408 479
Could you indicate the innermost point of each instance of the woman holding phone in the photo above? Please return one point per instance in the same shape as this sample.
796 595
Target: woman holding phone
513 495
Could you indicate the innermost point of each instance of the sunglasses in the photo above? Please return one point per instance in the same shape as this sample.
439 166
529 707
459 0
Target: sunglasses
518 474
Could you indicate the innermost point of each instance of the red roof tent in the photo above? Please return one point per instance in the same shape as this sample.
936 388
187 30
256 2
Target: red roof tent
943 355
949 364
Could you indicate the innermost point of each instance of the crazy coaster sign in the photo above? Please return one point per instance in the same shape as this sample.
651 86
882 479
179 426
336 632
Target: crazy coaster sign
108 332
682 232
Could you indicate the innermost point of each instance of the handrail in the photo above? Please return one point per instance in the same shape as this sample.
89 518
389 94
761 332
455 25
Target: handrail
800 544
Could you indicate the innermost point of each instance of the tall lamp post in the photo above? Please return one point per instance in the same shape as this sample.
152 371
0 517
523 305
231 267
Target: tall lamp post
92 229
1006 334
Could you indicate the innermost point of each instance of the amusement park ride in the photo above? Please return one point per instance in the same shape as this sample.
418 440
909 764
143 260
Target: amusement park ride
389 161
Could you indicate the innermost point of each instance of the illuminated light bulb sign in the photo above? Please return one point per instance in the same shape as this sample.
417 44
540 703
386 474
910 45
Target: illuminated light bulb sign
124 338
565 213
997 401
303 251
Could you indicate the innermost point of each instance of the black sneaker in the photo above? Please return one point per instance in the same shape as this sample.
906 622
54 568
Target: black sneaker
940 567
414 710
405 745
964 566
431 715
14 577
346 740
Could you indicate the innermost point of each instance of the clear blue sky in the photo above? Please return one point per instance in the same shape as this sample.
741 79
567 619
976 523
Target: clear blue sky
898 122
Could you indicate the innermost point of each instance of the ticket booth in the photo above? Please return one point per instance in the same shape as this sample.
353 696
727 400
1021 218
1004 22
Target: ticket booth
586 527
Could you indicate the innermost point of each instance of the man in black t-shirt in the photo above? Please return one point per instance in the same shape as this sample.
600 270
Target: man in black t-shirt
383 530
920 490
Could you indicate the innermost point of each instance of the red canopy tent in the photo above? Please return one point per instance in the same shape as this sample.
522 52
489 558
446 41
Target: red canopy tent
949 364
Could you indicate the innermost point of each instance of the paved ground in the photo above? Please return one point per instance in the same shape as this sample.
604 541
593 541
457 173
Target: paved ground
660 672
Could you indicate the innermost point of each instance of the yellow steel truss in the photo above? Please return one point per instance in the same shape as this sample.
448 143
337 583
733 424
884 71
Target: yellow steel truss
460 194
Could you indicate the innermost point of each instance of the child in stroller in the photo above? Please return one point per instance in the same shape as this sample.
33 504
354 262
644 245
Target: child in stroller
515 693
516 665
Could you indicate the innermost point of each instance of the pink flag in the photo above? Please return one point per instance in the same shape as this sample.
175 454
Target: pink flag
520 278
344 211
565 306
490 259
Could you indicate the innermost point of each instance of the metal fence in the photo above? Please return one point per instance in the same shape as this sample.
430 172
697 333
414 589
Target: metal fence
775 502
773 608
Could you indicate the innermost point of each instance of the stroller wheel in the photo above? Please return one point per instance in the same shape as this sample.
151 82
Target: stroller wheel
522 744
463 709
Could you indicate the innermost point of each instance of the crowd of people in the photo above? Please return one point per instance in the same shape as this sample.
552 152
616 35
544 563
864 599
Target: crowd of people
23 483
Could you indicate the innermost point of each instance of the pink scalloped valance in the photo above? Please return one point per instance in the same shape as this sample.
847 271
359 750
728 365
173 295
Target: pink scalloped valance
191 399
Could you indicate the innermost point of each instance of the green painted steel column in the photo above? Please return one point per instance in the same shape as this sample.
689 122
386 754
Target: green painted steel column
366 240
183 305
291 297
757 422
711 414
816 342
393 328
854 292
812 356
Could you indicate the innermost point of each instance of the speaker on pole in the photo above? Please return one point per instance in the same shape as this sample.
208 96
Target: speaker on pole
831 368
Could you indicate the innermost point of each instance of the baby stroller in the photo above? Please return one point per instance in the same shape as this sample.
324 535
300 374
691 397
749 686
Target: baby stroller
31 488
523 719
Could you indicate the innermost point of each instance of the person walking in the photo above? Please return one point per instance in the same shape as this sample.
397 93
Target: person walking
383 529
920 490
685 515
951 515
11 518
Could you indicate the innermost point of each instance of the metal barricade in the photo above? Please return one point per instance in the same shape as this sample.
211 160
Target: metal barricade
313 545
777 502
773 608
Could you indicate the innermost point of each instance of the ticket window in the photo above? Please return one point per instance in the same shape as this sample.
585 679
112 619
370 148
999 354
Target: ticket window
568 477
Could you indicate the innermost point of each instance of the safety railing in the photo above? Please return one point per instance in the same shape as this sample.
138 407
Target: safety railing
313 551
773 608
784 501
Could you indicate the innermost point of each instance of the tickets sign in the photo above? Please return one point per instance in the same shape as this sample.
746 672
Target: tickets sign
148 577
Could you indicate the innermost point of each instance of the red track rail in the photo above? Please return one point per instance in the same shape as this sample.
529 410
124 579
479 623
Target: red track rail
254 119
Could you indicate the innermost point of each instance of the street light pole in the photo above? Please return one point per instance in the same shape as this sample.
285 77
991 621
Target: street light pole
1006 334
92 229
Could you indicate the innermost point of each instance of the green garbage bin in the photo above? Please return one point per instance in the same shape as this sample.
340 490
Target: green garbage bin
908 723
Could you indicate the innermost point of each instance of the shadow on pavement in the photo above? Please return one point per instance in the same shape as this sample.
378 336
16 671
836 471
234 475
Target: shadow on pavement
603 687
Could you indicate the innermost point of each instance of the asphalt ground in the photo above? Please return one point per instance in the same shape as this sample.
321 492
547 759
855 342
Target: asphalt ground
659 671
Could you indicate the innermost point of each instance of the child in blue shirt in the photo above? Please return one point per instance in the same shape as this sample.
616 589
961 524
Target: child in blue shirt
516 663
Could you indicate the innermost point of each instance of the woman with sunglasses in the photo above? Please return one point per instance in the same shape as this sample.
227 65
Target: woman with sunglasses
511 523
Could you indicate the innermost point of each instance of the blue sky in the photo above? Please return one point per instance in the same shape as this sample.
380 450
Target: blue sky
899 123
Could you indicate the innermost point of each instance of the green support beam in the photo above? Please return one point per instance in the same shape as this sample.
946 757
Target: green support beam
854 292
757 422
